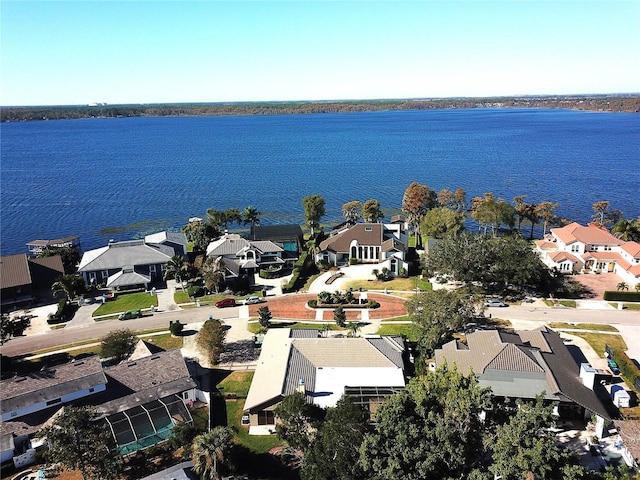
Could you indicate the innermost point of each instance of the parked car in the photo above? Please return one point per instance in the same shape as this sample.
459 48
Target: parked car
226 302
613 366
130 314
251 300
495 302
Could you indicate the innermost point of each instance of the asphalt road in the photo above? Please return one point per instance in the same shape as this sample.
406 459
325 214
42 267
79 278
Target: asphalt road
54 338
64 336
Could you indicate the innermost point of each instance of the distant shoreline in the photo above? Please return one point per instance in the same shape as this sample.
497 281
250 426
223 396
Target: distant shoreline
597 103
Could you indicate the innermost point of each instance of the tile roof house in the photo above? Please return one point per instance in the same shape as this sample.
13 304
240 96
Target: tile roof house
246 257
125 264
590 249
21 275
525 364
376 243
141 400
368 369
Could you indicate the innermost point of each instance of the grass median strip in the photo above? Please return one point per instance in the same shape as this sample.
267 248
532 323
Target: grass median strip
583 326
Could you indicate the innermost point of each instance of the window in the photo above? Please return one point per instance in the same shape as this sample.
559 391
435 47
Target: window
368 229
607 248
266 418
53 402
91 390
575 248
152 269
105 274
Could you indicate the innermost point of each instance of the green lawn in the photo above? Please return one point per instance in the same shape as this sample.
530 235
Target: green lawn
583 326
127 301
254 327
405 329
405 284
564 303
237 383
599 340
626 306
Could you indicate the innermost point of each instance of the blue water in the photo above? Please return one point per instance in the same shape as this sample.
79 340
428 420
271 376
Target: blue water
133 176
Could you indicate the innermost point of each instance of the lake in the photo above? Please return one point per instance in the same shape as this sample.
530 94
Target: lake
122 178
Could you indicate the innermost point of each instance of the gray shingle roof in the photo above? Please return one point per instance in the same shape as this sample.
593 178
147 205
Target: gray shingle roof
51 383
369 234
118 254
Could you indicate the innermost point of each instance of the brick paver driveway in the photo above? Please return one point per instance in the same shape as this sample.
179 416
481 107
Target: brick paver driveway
294 307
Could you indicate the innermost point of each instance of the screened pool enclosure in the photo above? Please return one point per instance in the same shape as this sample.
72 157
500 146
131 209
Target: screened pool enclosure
145 425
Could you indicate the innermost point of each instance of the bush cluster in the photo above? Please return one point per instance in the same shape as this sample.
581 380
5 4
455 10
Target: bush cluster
268 274
628 369
195 291
613 296
292 285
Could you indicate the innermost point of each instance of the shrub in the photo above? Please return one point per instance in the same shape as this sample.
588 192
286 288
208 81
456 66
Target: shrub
313 303
353 261
301 261
65 312
268 274
628 369
323 265
373 304
195 291
290 286
612 296
176 328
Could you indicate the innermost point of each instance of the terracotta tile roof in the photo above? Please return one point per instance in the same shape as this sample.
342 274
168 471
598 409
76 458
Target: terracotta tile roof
546 245
558 257
635 270
632 248
575 232
609 256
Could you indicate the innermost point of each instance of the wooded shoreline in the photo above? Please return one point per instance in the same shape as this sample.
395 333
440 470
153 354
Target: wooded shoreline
601 103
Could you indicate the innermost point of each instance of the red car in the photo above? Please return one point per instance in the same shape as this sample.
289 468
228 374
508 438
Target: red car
227 302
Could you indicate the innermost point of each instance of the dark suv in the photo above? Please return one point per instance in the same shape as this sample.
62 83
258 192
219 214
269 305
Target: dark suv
130 314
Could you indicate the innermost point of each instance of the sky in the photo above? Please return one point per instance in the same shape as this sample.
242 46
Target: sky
82 52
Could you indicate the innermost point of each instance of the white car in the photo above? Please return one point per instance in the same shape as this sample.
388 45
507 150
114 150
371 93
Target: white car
251 300
495 302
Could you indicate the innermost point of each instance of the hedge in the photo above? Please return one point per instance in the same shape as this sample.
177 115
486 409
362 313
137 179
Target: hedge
614 296
628 370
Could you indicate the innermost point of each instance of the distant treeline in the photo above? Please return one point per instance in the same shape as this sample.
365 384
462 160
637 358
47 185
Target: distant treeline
605 103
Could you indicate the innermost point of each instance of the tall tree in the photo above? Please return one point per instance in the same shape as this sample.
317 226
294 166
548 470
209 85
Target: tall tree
526 445
118 344
210 340
546 212
351 211
627 230
264 316
437 315
417 200
200 234
340 316
69 285
600 210
251 216
213 273
446 198
313 211
79 441
220 219
177 270
460 198
371 211
212 452
334 453
298 421
442 221
430 430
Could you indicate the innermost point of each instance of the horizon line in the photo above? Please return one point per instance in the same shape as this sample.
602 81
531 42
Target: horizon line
389 99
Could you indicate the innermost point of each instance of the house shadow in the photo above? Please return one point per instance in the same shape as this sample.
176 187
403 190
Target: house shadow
577 354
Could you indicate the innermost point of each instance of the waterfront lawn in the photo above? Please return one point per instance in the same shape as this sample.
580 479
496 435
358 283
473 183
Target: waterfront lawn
127 301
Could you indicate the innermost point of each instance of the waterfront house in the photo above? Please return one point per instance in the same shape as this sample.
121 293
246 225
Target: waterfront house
375 243
246 257
527 363
22 276
290 237
590 249
125 265
367 369
175 240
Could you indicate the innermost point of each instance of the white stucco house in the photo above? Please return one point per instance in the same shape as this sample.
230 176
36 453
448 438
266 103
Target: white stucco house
590 249
375 243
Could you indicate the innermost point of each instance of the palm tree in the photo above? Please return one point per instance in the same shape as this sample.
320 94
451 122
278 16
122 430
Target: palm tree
176 269
213 272
251 216
622 286
68 285
210 452
353 328
627 230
